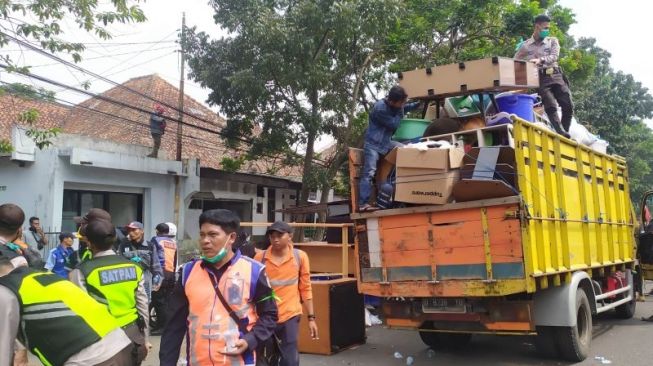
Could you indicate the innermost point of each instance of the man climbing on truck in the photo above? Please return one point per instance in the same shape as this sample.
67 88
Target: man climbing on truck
384 120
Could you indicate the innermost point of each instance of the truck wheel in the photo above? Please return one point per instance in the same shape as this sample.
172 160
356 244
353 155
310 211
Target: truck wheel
545 342
574 342
627 310
445 340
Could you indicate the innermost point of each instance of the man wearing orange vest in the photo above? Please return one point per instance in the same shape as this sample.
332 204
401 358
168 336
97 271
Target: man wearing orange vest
222 303
290 276
167 251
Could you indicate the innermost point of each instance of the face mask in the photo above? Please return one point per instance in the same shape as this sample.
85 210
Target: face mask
218 257
544 33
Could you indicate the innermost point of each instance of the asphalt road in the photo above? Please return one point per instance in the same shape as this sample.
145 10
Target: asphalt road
621 342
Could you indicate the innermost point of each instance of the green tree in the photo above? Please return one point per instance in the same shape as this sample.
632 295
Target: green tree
614 105
28 91
39 22
290 71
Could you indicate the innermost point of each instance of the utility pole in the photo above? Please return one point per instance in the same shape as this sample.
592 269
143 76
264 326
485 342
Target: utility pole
180 107
181 86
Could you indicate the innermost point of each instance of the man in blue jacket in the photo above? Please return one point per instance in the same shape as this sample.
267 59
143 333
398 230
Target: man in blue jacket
383 122
61 259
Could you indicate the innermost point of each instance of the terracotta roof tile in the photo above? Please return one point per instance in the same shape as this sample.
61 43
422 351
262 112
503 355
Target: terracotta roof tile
11 106
130 126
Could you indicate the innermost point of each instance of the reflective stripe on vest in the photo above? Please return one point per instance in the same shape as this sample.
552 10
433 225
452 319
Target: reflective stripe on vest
113 281
58 319
289 281
210 326
169 254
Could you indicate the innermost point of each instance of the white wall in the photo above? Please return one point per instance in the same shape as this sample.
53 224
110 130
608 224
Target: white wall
38 187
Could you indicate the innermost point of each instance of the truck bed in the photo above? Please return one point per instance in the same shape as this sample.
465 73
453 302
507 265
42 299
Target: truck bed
572 212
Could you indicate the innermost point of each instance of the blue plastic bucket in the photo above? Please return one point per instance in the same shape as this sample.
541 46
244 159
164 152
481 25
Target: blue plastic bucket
517 104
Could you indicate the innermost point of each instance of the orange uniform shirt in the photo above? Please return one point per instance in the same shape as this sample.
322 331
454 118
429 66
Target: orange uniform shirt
291 282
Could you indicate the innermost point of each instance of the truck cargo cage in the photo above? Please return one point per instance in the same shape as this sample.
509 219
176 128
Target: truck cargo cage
571 212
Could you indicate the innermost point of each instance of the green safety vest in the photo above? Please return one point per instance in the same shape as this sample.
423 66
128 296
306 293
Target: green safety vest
113 281
58 319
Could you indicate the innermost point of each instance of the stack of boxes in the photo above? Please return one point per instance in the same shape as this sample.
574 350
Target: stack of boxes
426 176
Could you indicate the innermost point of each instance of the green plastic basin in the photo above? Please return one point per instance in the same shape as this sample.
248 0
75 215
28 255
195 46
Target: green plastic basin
411 128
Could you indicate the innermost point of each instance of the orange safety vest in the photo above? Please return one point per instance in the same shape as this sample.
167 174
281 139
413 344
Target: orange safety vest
169 254
210 328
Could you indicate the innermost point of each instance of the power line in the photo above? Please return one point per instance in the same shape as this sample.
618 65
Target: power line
122 104
102 97
144 126
105 56
97 76
108 44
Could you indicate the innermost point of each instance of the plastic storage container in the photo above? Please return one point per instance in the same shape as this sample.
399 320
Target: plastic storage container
461 107
410 128
518 104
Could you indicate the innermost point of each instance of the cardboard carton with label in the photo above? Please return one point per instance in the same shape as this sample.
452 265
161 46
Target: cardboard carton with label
425 176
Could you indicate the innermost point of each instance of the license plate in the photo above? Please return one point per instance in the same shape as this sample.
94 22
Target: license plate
443 305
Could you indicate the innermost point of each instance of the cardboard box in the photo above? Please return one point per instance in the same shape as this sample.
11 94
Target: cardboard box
434 159
485 75
432 189
426 176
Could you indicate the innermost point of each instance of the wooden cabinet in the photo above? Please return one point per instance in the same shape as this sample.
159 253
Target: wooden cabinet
340 316
485 75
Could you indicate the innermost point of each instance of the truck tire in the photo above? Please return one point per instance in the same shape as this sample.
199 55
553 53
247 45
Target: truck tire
545 342
445 341
627 310
573 343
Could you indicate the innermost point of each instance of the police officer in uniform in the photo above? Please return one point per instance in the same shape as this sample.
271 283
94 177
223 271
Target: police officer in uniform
544 51
117 283
59 323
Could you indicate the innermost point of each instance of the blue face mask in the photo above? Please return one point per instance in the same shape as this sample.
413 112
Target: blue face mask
544 33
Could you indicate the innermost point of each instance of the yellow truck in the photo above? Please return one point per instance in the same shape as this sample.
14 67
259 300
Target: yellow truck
541 261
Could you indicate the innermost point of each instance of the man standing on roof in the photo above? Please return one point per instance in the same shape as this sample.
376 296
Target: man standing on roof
544 51
157 128
290 277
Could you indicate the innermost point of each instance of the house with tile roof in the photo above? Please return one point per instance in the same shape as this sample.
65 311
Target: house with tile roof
100 160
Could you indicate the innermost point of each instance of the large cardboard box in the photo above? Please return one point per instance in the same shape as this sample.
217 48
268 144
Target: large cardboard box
433 159
485 75
426 176
432 189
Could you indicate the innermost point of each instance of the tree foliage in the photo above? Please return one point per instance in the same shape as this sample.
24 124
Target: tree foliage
39 22
291 70
28 91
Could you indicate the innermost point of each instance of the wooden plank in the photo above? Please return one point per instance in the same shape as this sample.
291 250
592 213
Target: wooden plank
438 208
355 159
327 258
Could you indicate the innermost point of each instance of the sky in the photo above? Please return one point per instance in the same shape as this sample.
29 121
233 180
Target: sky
620 28
151 46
